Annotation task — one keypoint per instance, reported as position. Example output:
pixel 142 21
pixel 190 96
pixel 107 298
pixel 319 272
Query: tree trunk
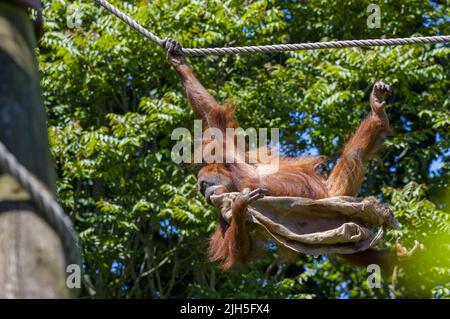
pixel 31 255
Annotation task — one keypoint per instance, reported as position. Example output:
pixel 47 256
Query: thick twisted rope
pixel 132 23
pixel 315 45
pixel 46 204
pixel 276 47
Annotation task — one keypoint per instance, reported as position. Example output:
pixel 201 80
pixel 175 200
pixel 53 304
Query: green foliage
pixel 421 220
pixel 113 102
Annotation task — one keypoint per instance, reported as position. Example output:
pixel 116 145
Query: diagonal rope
pixel 132 23
pixel 276 47
pixel 46 204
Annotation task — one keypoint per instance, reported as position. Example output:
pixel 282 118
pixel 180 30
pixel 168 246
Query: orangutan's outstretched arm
pixel 203 104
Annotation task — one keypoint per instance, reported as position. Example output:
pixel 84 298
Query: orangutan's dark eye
pixel 203 186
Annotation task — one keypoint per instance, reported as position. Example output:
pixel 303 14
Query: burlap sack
pixel 337 225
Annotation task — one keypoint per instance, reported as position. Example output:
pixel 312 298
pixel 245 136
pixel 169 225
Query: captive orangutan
pixel 231 243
